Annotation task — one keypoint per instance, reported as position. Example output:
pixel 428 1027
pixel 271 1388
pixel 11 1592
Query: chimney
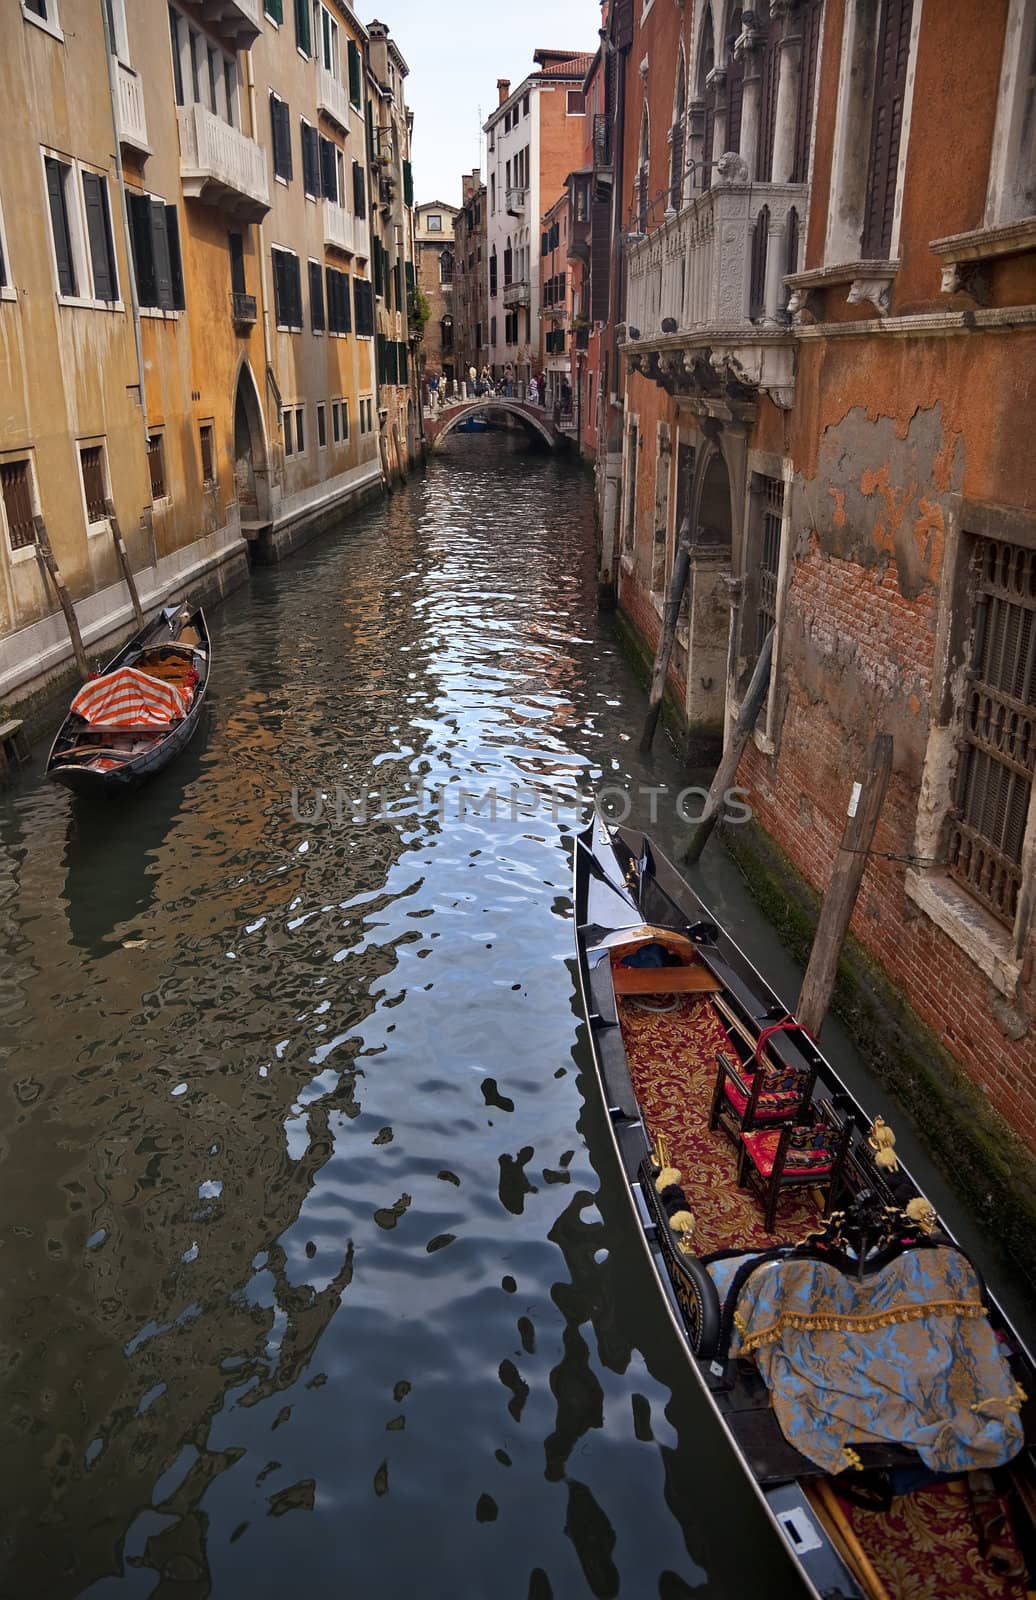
pixel 503 89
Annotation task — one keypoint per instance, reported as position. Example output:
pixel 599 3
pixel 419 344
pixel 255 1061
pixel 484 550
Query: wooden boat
pixel 819 1356
pixel 100 749
pixel 472 425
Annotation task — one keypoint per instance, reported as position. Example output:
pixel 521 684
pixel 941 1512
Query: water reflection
pixel 312 1285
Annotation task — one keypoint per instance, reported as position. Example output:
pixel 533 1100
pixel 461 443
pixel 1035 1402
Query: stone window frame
pixel 847 196
pixel 997 951
pixel 631 440
pixel 94 441
pixel 7 289
pixel 1002 201
pixel 661 566
pixel 24 552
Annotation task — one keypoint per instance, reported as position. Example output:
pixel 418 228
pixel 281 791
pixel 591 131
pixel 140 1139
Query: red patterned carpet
pixel 672 1058
pixel 926 1547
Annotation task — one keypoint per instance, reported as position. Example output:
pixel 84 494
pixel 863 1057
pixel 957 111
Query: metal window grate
pixel 998 744
pixel 92 460
pixel 156 465
pixel 16 486
pixel 769 558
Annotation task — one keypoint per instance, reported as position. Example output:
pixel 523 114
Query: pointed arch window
pixel 643 173
pixel 707 95
pixel 676 140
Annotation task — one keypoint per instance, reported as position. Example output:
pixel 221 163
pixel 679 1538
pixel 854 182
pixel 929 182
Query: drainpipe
pixel 270 378
pixel 109 51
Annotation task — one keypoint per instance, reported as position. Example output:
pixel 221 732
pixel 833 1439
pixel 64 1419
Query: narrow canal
pixel 312 1285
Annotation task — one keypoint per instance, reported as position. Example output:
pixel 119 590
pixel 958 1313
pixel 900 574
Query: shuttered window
pixel 316 297
pixel 408 183
pixel 768 98
pixel 91 462
pixel 16 488
pixel 492 273
pixel 303 34
pixel 274 9
pixel 3 266
pixel 339 308
pixel 310 158
pixel 208 454
pixel 57 195
pixel 363 298
pixel 287 290
pixel 998 745
pixel 355 80
pixel 886 127
pixel 321 425
pixel 359 190
pixel 329 171
pixel 155 241
pixel 99 236
pixel 769 555
pixel 280 128
pixel 812 16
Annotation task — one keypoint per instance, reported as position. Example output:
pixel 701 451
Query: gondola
pixel 140 711
pixel 869 1385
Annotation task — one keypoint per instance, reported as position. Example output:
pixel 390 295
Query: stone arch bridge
pixel 439 424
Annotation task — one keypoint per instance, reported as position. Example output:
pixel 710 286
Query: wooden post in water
pixel 677 585
pixel 726 772
pixel 865 806
pixel 123 555
pixel 49 567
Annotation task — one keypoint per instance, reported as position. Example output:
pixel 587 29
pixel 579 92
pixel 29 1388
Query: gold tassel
pixel 667 1176
pixel 922 1214
pixel 882 1141
pixel 852 1459
pixel 682 1224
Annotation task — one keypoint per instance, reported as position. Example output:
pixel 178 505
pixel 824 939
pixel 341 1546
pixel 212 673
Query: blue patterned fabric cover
pixel 906 1356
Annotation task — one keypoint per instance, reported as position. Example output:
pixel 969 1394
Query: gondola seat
pixel 743 1100
pixel 809 1153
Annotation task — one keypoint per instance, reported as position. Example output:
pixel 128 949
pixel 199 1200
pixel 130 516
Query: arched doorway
pixel 714 523
pixel 251 471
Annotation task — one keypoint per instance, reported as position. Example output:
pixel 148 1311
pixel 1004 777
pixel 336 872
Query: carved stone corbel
pixel 798 308
pixel 878 291
pixel 968 277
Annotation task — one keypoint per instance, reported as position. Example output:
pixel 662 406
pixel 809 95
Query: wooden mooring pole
pixel 49 567
pixel 865 805
pixel 677 585
pixel 726 772
pixel 123 555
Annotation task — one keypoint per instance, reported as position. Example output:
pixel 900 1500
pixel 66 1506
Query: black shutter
pixel 316 297
pixel 59 224
pixel 364 298
pixel 492 274
pixel 280 118
pixel 99 234
pixel 886 127
pixel 355 94
pixel 143 255
pixel 278 289
pixel 359 191
pixel 811 19
pixel 600 258
pixel 302 33
pixel 329 171
pixel 160 252
pixel 295 278
pixel 172 233
pixel 309 140
pixel 370 131
pixel 3 267
pixel 345 306
pixel 275 134
pixel 274 9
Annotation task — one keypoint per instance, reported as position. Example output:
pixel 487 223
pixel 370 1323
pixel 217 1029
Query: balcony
pixel 516 293
pixel 579 239
pixel 243 309
pixel 332 98
pixel 237 22
pixel 602 143
pixel 339 231
pixel 129 109
pixel 515 201
pixel 220 165
pixel 706 300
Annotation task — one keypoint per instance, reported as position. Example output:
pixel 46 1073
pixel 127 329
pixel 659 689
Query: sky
pixel 456 50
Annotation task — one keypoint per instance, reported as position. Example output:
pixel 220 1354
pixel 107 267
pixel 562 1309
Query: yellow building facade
pixel 187 312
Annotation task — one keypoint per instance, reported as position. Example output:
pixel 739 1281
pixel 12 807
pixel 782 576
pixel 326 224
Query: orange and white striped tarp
pixel 127 698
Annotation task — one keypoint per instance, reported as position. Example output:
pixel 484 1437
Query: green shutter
pixel 302 33
pixel 274 9
pixel 408 183
pixel 411 282
pixel 355 78
pixel 370 131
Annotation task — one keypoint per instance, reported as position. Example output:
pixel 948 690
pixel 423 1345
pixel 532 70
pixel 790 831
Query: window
pixel 99 236
pixel 997 744
pixel 433 222
pixel 43 12
pixel 330 158
pixel 886 127
pixel 321 425
pixel 19 501
pixel 310 159
pixel 288 424
pixel 359 191
pixel 177 27
pixel 492 192
pixel 446 335
pixel 336 420
pixel 1012 172
pixel 338 306
pixel 446 267
pixel 300 437
pixel 363 299
pixel 492 330
pixel 203 74
pixel 58 182
pixel 327 40
pixel 525 105
pixel 208 455
pixel 344 410
pixel 155 241
pixel 293 420
pixel 84 252
pixel 115 16
pixel 575 104
pixel 355 77
pixel 492 272
pixel 287 289
pixel 767 516
pixel 303 35
pixel 629 521
pixel 6 291
pixel 274 10
pixel 156 465
pixel 280 120
pixel 95 486
pixel 316 297
pixel 237 264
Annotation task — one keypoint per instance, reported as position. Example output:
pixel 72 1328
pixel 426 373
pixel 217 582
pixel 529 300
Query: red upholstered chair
pixel 750 1096
pixel 809 1153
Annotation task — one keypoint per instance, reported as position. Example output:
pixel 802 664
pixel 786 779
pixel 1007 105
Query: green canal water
pixel 317 1278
